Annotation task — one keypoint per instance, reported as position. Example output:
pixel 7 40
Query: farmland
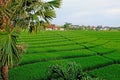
pixel 97 52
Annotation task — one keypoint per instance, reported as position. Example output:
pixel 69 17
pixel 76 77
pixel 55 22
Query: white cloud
pixel 89 12
pixel 107 12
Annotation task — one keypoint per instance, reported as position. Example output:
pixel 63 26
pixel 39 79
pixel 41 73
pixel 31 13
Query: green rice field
pixel 97 52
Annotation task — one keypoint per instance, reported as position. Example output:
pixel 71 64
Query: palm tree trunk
pixel 4 72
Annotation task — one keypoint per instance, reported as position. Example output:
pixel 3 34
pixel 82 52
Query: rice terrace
pixel 96 52
pixel 59 40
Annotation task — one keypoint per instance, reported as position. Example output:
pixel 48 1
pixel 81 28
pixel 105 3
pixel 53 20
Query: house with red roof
pixel 52 27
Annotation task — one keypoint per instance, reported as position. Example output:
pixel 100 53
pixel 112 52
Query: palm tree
pixel 43 11
pixel 19 13
pixel 43 24
pixel 10 53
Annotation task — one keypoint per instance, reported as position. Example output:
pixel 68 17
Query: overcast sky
pixel 89 12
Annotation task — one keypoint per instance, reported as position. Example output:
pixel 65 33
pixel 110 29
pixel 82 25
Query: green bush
pixel 71 71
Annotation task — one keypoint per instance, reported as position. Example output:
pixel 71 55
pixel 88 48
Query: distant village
pixel 68 26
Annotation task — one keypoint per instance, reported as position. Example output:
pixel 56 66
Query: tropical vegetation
pixel 24 14
pixel 97 52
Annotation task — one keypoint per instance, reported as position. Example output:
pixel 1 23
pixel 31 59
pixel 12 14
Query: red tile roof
pixel 52 26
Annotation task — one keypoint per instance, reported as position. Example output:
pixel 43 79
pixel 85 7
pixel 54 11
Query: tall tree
pixel 67 25
pixel 20 13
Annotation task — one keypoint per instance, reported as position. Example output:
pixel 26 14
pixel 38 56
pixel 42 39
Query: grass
pixel 95 51
pixel 115 56
pixel 110 72
pixel 38 70
pixel 27 58
pixel 54 49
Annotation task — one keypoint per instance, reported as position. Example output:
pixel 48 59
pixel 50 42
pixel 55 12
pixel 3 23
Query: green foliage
pixel 112 71
pixel 115 56
pixel 35 64
pixel 9 51
pixel 19 14
pixel 70 72
pixel 28 58
pixel 67 25
pixel 37 70
pixel 55 3
pixel 44 10
pixel 23 12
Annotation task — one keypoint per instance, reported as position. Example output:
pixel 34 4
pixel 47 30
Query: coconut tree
pixel 19 13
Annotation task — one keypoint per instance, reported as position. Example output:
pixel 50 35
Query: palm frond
pixel 9 51
pixel 55 3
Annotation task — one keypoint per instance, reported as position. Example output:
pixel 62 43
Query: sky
pixel 89 12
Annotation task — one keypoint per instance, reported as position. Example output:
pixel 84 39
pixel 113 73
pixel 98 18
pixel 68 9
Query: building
pixel 52 27
pixel 61 29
